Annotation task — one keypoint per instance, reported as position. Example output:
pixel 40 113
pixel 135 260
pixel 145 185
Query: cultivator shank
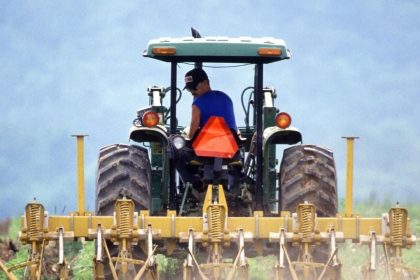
pixel 125 234
pixel 395 237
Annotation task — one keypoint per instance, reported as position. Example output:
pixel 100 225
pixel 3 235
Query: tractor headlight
pixel 178 142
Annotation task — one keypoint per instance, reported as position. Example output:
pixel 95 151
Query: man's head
pixel 193 78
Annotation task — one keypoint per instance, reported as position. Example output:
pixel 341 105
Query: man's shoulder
pixel 212 95
pixel 220 93
pixel 224 96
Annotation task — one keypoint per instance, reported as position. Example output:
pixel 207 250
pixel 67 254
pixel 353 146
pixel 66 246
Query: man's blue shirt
pixel 216 103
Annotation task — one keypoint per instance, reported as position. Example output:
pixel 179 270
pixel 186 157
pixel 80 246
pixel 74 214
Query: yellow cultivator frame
pixel 214 231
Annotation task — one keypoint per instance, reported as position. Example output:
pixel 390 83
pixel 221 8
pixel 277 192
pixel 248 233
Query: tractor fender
pixel 276 135
pixel 149 134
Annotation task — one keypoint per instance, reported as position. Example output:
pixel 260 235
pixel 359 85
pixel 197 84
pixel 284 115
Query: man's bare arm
pixel 195 120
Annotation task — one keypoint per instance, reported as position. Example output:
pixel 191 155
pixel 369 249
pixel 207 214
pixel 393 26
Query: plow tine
pixel 388 269
pixel 281 255
pixel 143 268
pixel 60 246
pixel 40 260
pixel 8 273
pixel 111 265
pixel 327 263
pixel 197 265
pixel 372 266
pixel 232 270
pixel 99 245
pixel 292 270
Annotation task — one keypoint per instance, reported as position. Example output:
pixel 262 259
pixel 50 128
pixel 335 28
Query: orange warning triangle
pixel 215 140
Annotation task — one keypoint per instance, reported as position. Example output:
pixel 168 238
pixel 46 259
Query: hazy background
pixel 69 67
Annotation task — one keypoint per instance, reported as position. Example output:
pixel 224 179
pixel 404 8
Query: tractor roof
pixel 218 49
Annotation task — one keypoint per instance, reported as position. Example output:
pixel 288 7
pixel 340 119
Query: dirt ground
pixel 7 246
pixel 6 252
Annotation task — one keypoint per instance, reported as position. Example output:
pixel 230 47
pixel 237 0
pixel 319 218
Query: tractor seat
pixel 231 162
pixel 235 163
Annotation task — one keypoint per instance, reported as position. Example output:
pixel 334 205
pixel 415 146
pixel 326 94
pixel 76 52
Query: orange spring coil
pixel 397 227
pixel 306 222
pixel 34 221
pixel 216 221
pixel 124 218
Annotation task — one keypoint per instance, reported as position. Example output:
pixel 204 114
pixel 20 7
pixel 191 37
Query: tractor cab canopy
pixel 218 49
pixel 246 50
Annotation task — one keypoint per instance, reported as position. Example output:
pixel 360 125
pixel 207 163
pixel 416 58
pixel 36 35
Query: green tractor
pixel 145 172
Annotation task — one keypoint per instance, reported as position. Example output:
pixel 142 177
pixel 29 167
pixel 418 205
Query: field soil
pixel 7 246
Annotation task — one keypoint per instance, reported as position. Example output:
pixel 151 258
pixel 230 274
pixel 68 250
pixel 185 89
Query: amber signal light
pixel 150 119
pixel 164 50
pixel 283 120
pixel 269 51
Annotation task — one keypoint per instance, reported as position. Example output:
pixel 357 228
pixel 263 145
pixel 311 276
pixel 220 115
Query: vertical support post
pixel 190 247
pixel 173 124
pixel 349 180
pixel 188 264
pixel 80 174
pixel 281 253
pixel 372 263
pixel 258 96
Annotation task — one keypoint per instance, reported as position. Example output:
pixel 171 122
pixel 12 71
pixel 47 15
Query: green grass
pixel 261 268
pixel 14 228
pixel 83 263
pixel 20 257
pixel 353 256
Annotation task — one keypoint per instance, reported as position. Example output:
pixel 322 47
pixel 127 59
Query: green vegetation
pixel 20 257
pixel 14 227
pixel 169 268
pixel 353 256
pixel 261 268
pixel 83 263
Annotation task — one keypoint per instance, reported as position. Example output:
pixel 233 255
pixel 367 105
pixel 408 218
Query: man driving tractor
pixel 207 103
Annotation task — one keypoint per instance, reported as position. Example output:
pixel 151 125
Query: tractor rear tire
pixel 123 171
pixel 307 173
